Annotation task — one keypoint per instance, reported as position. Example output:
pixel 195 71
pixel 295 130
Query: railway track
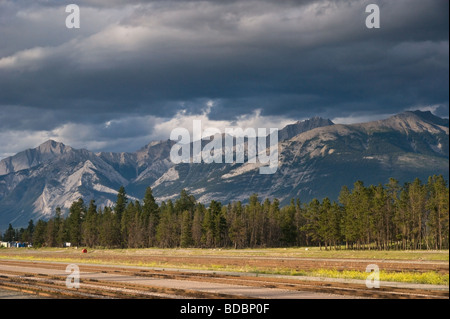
pixel 48 279
pixel 55 287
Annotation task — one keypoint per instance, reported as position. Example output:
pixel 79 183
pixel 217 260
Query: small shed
pixel 5 244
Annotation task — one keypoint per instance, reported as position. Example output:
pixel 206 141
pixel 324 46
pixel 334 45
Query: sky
pixel 135 70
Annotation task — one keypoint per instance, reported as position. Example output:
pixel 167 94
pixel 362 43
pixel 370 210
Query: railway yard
pixel 206 274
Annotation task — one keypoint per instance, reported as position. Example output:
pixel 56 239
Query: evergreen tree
pixel 61 229
pixel 167 228
pixel 184 202
pixel 197 229
pixel 109 233
pixel 186 239
pixel 51 233
pixel 150 218
pixel 220 223
pixel 9 234
pixel 209 228
pixel 255 220
pixel 137 228
pixel 286 225
pixel 27 235
pixel 74 221
pixel 335 219
pixel 39 233
pixel 125 224
pixel 414 216
pixel 121 203
pixel 438 206
pixel 300 221
pixel 90 225
pixel 403 217
pixel 392 202
pixel 274 224
pixel 311 227
pixel 416 204
pixel 237 231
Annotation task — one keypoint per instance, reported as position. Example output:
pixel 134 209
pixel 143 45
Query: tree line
pixel 391 216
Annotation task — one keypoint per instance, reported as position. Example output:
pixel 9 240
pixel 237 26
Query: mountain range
pixel 316 158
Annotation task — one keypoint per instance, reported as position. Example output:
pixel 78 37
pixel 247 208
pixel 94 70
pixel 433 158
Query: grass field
pixel 284 261
pixel 314 252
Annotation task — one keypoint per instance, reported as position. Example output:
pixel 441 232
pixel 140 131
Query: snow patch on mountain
pixel 242 169
pixel 155 169
pixel 54 197
pixel 170 176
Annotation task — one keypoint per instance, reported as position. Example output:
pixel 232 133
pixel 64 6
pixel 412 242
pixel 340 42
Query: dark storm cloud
pixel 155 58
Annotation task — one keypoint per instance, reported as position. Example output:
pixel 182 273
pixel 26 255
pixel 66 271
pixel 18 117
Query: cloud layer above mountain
pixel 135 66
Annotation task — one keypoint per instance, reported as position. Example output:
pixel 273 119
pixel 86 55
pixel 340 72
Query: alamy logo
pixel 373 19
pixel 73 279
pixel 73 19
pixel 248 142
pixel 373 280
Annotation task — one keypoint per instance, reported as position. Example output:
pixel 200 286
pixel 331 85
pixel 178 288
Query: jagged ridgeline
pixel 316 158
pixel 412 216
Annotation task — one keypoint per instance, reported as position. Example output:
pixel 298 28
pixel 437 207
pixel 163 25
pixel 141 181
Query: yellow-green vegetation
pixel 430 277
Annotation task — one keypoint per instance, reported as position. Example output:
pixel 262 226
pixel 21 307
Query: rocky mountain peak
pixel 53 147
pixel 33 157
pixel 317 161
pixel 431 118
pixel 299 127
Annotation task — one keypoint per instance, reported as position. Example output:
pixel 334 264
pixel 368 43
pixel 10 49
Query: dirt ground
pixel 206 273
pixel 244 260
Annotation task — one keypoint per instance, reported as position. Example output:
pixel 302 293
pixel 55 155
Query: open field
pixel 48 279
pixel 106 281
pixel 428 267
pixel 419 255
